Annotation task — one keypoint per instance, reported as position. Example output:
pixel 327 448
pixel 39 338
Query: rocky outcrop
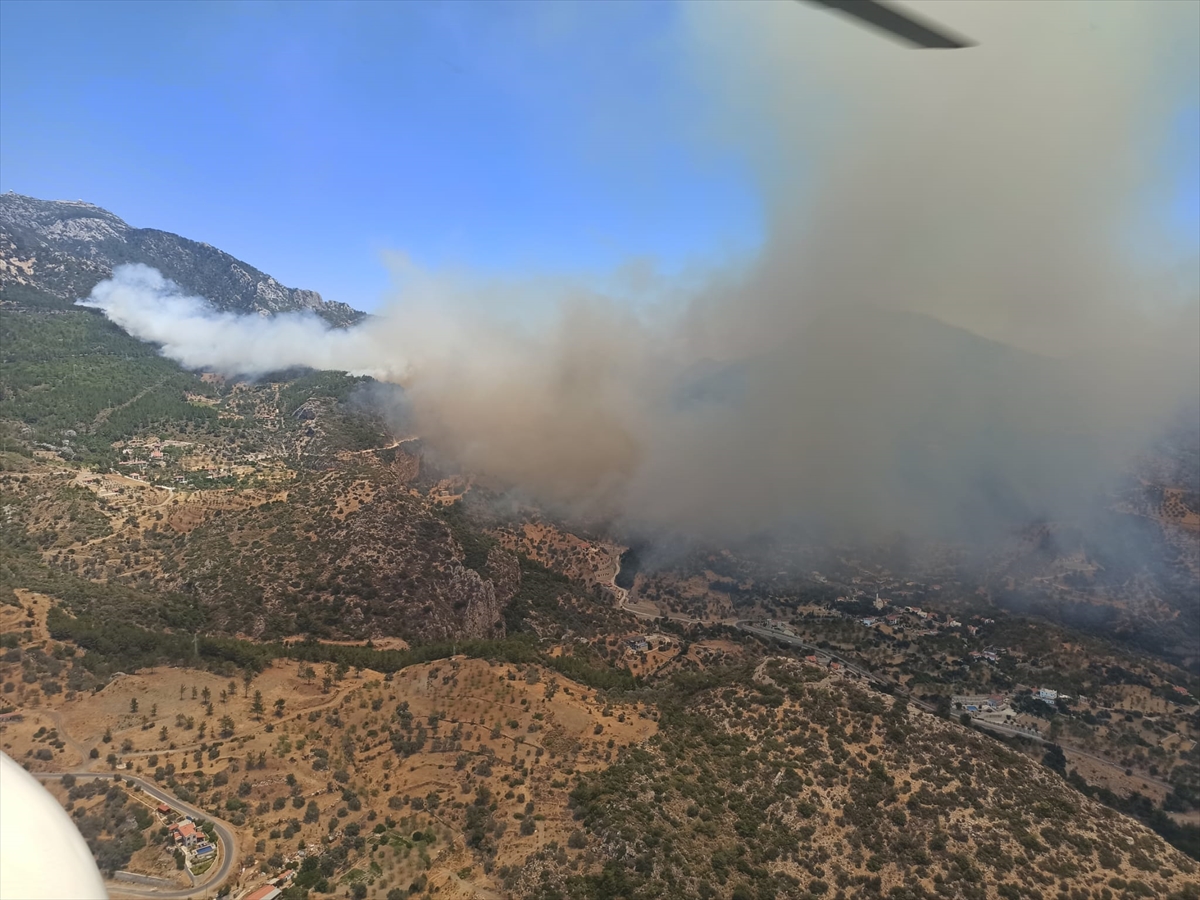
pixel 484 614
pixel 504 570
pixel 407 572
pixel 65 247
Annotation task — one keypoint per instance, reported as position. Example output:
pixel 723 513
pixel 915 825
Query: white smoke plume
pixel 949 328
pixel 155 309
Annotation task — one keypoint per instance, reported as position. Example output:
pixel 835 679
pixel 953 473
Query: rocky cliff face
pixel 425 588
pixel 65 248
pixel 504 569
pixel 483 616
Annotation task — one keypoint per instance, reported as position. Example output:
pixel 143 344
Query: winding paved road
pixel 623 603
pixel 225 839
pixel 226 842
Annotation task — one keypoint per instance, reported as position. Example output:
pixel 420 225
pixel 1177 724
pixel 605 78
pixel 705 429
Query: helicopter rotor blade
pixel 897 22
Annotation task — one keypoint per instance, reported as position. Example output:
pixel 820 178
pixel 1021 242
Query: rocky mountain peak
pixel 66 247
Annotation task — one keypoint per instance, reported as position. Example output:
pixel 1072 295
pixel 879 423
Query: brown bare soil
pixel 516 733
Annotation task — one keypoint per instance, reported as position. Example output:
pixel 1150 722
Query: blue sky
pixel 1185 208
pixel 307 138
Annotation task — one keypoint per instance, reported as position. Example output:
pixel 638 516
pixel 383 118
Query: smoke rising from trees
pixel 955 324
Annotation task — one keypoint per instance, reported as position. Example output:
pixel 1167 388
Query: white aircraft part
pixel 42 854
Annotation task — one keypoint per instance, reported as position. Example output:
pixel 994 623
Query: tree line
pixel 113 644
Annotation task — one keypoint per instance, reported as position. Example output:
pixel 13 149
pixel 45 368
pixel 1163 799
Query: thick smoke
pixel 953 326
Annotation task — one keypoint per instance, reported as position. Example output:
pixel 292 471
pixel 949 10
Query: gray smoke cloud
pixel 953 325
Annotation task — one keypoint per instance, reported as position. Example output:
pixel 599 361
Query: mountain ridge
pixel 65 248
